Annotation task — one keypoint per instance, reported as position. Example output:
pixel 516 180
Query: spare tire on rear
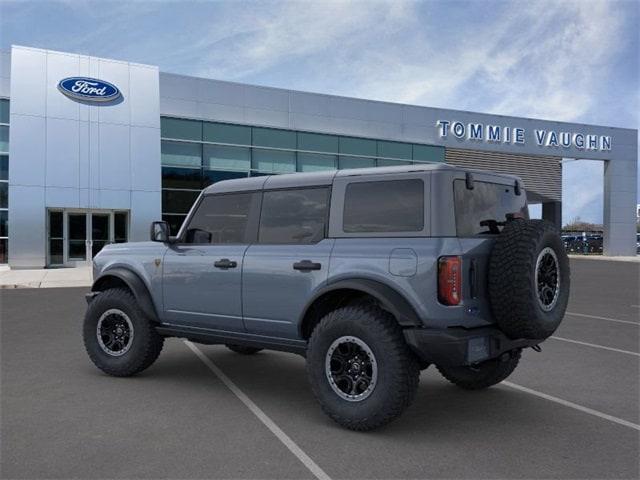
pixel 529 279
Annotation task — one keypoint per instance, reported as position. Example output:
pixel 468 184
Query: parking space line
pixel 596 346
pixel 575 406
pixel 257 411
pixel 603 318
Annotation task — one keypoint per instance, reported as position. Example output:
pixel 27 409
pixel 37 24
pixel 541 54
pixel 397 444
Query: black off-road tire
pixel 397 368
pixel 242 350
pixel 483 375
pixel 145 345
pixel 513 291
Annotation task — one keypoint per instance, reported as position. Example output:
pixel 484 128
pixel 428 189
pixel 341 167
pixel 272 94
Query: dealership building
pixel 92 150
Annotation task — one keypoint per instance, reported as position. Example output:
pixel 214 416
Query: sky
pixel 559 60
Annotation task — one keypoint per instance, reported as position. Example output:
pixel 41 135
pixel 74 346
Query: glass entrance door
pixel 75 237
pixel 100 231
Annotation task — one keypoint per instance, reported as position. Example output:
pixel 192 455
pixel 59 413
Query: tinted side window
pixel 487 201
pixel 294 216
pixel 384 206
pixel 222 219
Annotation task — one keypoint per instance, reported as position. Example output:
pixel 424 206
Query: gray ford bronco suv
pixel 371 274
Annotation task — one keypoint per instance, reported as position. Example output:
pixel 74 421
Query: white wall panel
pixel 27 227
pixel 147 209
pixel 28 150
pixel 62 197
pixel 145 155
pixel 267 98
pixel 118 74
pixel 29 81
pixel 144 91
pixel 115 199
pixel 63 153
pixel 211 91
pixel 115 162
pixel 59 66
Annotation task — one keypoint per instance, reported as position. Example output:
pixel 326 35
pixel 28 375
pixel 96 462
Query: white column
pixel 620 199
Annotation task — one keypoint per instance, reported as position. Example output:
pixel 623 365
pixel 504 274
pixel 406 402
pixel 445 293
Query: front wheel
pixel 361 371
pixel 483 375
pixel 120 340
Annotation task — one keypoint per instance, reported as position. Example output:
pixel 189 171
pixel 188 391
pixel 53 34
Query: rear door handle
pixel 225 263
pixel 306 265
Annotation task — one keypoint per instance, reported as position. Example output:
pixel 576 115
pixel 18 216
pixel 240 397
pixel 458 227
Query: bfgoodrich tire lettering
pixel 529 279
pixel 144 344
pixel 397 371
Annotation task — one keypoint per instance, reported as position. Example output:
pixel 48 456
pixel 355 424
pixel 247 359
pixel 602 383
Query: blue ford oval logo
pixel 89 89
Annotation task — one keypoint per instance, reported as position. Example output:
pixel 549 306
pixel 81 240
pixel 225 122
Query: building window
pixel 395 150
pixel 196 154
pixel 181 154
pixel 178 201
pixel 274 138
pixel 315 142
pixel 4 181
pixel 313 162
pixel 273 161
pixel 358 146
pixel 210 177
pixel 180 129
pixel 355 162
pixel 225 133
pixel 185 178
pixel 223 157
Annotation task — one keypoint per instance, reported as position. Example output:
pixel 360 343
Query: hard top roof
pixel 310 179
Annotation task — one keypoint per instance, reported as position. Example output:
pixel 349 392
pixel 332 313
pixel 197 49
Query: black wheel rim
pixel 547 279
pixel 115 332
pixel 351 369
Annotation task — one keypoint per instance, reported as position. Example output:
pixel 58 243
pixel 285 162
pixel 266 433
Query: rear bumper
pixel 459 346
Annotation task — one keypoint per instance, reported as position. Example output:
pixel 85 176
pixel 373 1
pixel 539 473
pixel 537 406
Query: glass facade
pixel 196 154
pixel 4 181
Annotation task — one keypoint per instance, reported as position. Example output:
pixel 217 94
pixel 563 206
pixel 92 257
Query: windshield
pixel 488 203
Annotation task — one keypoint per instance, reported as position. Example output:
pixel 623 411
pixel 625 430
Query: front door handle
pixel 225 263
pixel 306 265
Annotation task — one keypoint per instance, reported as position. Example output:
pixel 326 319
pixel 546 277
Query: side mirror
pixel 160 232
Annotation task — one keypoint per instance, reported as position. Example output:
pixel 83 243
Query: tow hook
pixel 536 348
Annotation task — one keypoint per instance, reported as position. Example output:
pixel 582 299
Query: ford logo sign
pixel 88 89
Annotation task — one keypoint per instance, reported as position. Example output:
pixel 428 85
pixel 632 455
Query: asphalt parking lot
pixel 571 411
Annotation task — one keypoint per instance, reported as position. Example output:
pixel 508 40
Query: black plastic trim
pixel 389 299
pixel 135 284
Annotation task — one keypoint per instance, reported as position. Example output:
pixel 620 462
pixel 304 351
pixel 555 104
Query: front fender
pixel 135 284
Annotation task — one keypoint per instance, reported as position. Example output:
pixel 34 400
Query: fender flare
pixel 135 284
pixel 388 297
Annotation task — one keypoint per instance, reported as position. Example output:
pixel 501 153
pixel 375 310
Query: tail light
pixel 449 280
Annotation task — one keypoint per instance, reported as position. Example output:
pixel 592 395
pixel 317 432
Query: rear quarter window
pixel 487 201
pixel 384 206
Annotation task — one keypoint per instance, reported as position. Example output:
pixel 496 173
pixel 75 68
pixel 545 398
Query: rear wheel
pixel 361 371
pixel 483 375
pixel 120 340
pixel 241 349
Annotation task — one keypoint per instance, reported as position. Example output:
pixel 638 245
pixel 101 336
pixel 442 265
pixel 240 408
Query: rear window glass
pixel 384 206
pixel 487 201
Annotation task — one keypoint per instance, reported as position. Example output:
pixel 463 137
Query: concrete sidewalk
pixel 46 278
